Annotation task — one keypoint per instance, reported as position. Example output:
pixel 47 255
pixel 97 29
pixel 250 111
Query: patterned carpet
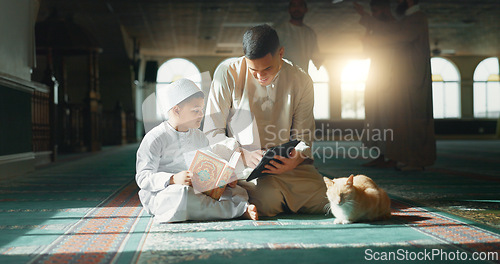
pixel 80 210
pixel 296 239
pixel 87 211
pixel 464 181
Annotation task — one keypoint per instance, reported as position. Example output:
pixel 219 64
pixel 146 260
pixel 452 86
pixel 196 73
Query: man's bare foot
pixel 251 213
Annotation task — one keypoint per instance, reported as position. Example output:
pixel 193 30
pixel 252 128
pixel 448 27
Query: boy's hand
pixel 183 178
pixel 233 184
pixel 251 158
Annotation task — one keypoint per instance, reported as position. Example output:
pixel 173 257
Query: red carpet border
pixel 452 231
pixel 98 236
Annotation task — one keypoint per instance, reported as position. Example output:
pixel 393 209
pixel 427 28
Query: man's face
pixel 297 9
pixel 265 69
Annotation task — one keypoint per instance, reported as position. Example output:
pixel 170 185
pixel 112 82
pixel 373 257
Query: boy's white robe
pixel 161 155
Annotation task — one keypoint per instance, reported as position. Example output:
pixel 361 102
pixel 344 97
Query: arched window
pixel 487 89
pixel 178 68
pixel 321 91
pixel 228 59
pixel 353 81
pixel 445 88
pixel 170 71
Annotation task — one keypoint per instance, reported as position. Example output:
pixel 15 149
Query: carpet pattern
pixel 411 228
pixel 99 235
pixel 87 211
pixel 457 232
pixel 70 212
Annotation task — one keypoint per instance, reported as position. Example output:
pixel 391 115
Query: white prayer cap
pixel 175 93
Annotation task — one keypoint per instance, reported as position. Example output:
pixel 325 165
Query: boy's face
pixel 265 69
pixel 191 113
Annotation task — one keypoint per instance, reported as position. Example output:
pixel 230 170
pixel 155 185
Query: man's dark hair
pixel 260 40
pixel 380 3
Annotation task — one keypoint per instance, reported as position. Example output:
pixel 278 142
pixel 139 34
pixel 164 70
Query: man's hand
pixel 251 158
pixel 287 164
pixel 183 178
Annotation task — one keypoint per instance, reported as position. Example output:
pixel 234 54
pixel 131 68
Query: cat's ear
pixel 328 182
pixel 350 180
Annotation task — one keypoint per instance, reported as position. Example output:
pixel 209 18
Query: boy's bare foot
pixel 251 212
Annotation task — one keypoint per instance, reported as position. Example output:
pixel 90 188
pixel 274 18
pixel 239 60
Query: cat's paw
pixel 341 221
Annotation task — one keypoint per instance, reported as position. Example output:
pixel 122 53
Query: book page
pixel 207 170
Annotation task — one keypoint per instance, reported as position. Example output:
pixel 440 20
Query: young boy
pixel 166 188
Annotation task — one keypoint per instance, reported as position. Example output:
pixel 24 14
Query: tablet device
pixel 282 150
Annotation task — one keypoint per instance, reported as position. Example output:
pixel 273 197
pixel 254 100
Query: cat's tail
pixel 386 216
pixel 387 204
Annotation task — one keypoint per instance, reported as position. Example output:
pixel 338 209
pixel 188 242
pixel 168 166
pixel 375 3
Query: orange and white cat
pixel 357 198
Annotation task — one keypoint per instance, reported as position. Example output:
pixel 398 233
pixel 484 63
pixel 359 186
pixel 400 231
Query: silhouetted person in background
pixel 298 39
pixel 380 90
pixel 414 125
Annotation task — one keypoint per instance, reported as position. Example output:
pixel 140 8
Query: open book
pixel 212 173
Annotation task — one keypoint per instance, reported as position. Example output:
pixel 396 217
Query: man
pixel 380 91
pixel 278 97
pixel 414 129
pixel 299 40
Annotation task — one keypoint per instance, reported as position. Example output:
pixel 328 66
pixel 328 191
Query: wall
pixel 15 117
pixel 17 20
pixel 204 63
pixel 115 82
pixel 207 63
pixel 16 47
pixel 16 149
